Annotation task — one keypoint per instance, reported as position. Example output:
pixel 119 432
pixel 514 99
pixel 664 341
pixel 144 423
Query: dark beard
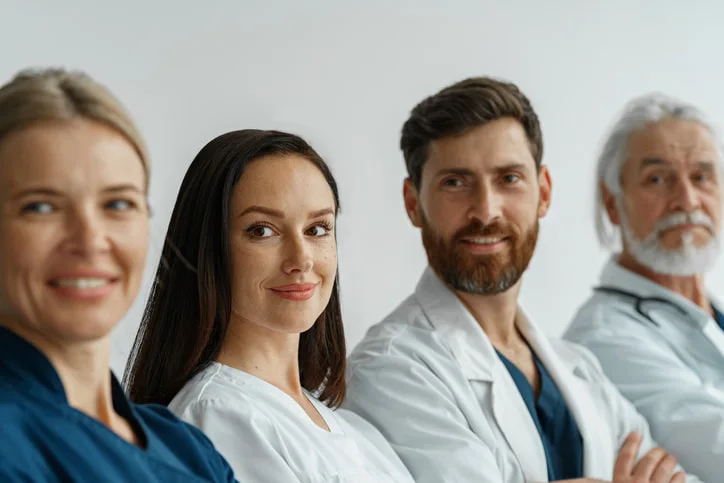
pixel 479 274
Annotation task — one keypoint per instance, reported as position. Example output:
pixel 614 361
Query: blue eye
pixel 120 205
pixel 40 207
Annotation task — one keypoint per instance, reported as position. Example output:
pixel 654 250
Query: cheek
pixel 133 240
pixel 446 215
pixel 23 257
pixel 326 261
pixel 250 267
pixel 643 211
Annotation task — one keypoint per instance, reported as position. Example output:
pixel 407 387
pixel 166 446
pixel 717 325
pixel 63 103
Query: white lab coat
pixel 429 378
pixel 267 437
pixel 674 374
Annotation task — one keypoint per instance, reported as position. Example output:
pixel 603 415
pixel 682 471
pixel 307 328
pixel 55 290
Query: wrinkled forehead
pixel 674 143
pixel 69 156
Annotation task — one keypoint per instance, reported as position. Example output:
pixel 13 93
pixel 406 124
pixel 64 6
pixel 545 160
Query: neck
pixel 496 315
pixel 267 354
pixel 691 287
pixel 83 368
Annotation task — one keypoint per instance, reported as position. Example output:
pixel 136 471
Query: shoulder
pixel 223 405
pixel 167 426
pixel 187 442
pixel 596 314
pixel 405 332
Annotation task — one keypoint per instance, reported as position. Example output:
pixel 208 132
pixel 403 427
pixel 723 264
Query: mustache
pixel 477 228
pixel 697 217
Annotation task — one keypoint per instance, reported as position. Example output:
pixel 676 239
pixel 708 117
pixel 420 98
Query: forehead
pixel 673 141
pixel 74 155
pixel 285 182
pixel 483 147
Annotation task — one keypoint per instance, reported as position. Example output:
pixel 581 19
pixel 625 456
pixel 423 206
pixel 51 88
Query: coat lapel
pixel 598 453
pixel 479 362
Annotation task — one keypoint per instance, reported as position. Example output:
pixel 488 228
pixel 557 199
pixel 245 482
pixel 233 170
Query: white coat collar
pixel 476 355
pixel 616 276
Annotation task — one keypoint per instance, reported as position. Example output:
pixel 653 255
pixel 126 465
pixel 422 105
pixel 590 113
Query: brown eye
pixel 260 231
pixel 318 230
pixel 452 182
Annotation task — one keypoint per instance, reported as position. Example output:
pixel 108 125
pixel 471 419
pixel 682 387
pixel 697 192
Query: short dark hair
pixel 188 311
pixel 466 104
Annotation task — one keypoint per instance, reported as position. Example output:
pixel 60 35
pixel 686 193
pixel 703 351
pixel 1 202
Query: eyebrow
pixel 41 191
pixel 497 169
pixel 646 162
pixel 510 167
pixel 280 214
pixel 123 187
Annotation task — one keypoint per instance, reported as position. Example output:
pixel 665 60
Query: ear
pixel 609 202
pixel 412 202
pixel 545 186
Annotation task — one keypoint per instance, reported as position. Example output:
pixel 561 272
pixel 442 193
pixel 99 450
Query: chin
pixel 86 327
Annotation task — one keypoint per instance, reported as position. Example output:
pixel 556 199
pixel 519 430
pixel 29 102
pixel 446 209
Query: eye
pixel 511 178
pixel 700 177
pixel 655 179
pixel 452 182
pixel 320 229
pixel 40 207
pixel 259 231
pixel 120 205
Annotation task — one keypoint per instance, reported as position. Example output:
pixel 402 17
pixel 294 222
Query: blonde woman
pixel 73 241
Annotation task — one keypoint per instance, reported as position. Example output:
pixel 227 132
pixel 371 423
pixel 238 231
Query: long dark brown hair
pixel 189 307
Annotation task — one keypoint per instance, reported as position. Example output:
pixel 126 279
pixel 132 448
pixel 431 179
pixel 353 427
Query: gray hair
pixel 636 115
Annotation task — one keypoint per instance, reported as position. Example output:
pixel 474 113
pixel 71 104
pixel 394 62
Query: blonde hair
pixel 53 94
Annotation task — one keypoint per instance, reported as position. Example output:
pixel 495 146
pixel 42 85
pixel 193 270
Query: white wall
pixel 345 75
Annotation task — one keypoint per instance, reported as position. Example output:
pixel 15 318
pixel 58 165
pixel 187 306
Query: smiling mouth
pixel 483 240
pixel 296 292
pixel 80 283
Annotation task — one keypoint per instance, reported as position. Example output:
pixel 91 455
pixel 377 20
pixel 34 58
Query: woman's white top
pixel 266 436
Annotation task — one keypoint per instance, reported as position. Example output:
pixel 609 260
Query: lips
pixel 83 285
pixel 295 291
pixel 295 287
pixel 483 240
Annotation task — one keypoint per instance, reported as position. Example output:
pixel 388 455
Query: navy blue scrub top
pixel 719 317
pixel 558 430
pixel 42 438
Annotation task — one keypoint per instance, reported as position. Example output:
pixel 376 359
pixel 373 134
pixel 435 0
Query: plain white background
pixel 345 75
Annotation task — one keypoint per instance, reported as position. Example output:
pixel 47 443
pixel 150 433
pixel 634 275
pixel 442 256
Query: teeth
pixel 81 282
pixel 484 240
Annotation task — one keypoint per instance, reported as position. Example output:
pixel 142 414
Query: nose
pixel 685 196
pixel 298 257
pixel 485 206
pixel 87 233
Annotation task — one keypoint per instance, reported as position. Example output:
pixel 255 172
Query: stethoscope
pixel 639 301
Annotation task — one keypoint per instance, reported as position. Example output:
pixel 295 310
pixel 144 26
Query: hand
pixel 656 466
pixel 582 480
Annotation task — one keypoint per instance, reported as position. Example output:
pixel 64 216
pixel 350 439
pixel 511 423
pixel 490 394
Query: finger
pixel 665 469
pixel 646 465
pixel 627 456
pixel 679 477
